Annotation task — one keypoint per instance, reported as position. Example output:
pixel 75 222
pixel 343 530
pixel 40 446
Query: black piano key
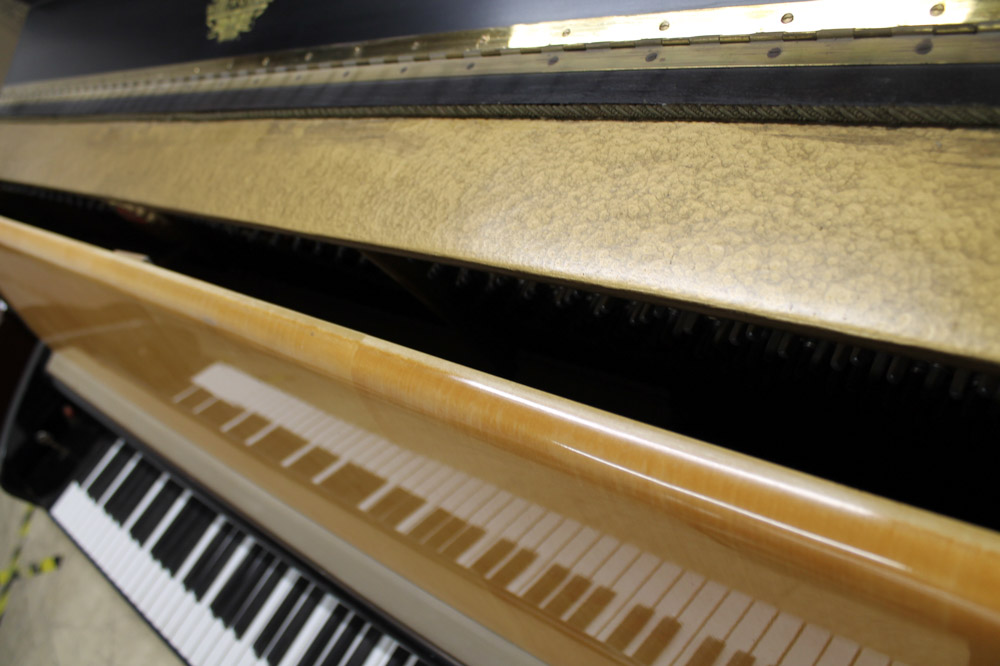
pixel 293 628
pixel 239 580
pixel 109 473
pixel 210 572
pixel 210 552
pixel 236 599
pixel 174 531
pixel 365 647
pixel 270 631
pixel 89 461
pixel 148 476
pixel 250 609
pixel 176 537
pixel 131 491
pixel 324 636
pixel 200 521
pixel 340 648
pixel 243 599
pixel 155 512
pixel 113 506
pixel 399 657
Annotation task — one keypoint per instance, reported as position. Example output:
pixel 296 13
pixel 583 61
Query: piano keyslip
pixel 217 594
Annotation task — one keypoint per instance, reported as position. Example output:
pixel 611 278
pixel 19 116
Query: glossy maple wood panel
pixel 922 588
pixel 887 234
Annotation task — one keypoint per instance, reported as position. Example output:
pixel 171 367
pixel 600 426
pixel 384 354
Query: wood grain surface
pixel 886 234
pixel 921 588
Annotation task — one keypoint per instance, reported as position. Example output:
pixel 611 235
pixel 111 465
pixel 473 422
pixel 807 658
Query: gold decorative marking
pixel 228 19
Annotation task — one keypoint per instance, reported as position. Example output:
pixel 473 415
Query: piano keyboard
pixel 646 609
pixel 218 594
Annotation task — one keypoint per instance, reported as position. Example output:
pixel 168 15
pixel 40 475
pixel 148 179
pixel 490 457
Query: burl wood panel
pixel 919 587
pixel 886 234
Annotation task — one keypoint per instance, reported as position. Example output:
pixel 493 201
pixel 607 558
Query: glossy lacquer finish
pixel 670 550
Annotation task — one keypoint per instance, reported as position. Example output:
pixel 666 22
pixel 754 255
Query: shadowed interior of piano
pixel 533 334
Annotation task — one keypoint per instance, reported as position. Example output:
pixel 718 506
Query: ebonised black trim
pixel 76 37
pixel 949 95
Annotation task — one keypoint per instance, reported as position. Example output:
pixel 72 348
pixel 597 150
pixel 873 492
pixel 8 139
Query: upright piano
pixel 513 333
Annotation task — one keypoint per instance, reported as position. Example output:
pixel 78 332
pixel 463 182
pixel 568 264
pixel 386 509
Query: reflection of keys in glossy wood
pixel 546 550
pixel 631 601
pixel 631 579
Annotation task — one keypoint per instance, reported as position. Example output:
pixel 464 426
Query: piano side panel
pixel 916 586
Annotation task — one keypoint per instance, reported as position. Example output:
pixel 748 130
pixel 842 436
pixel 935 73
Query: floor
pixel 71 614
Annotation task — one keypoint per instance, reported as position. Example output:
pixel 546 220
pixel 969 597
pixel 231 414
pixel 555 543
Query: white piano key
pixel 691 619
pixel 354 643
pixel 277 595
pixel 626 585
pixel 122 550
pixel 146 500
pixel 173 597
pixel 161 527
pixel 233 653
pixel 382 651
pixel 333 639
pixel 870 657
pixel 808 646
pixel 210 628
pixel 117 482
pixel 839 652
pixel 131 547
pixel 144 582
pixel 606 573
pixel 748 631
pixel 671 605
pixel 309 631
pixel 283 627
pixel 720 624
pixel 779 636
